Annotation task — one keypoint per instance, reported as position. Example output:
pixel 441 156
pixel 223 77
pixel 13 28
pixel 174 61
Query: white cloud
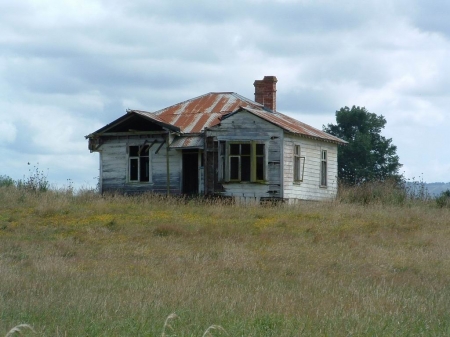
pixel 69 67
pixel 8 132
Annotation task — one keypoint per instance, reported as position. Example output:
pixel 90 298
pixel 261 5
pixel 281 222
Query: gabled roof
pixel 290 124
pixel 130 114
pixel 196 114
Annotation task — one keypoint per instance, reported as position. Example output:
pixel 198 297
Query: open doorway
pixel 190 172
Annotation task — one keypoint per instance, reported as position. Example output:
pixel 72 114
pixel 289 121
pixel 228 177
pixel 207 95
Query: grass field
pixel 87 265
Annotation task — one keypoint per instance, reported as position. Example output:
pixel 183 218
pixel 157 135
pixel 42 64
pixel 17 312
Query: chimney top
pixel 266 92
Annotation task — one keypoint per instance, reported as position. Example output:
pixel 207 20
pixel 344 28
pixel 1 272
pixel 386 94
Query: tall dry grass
pixel 85 265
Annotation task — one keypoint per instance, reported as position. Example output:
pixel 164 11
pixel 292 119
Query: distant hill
pixel 436 189
pixel 433 189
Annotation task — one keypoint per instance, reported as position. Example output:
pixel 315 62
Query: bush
pixel 374 192
pixel 6 181
pixel 444 199
pixel 36 182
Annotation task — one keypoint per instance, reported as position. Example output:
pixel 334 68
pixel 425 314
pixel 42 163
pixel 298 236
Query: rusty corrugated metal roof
pixel 187 142
pixel 156 118
pixel 292 125
pixel 196 114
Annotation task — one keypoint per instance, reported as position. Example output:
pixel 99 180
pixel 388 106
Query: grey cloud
pixel 24 143
pixel 281 16
pixel 307 100
pixel 91 64
pixel 432 15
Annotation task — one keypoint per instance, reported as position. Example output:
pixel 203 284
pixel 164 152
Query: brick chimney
pixel 266 92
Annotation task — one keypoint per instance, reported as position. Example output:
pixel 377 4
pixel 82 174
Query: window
pixel 246 161
pixel 323 168
pixel 299 163
pixel 139 164
pixel 240 162
pixel 259 154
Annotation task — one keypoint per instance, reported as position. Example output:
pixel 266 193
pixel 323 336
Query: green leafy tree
pixel 368 156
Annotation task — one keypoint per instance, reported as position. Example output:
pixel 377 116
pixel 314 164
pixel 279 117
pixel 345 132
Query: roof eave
pixel 128 115
pixel 338 142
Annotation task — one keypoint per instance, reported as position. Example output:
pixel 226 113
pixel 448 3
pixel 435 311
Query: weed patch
pixel 112 265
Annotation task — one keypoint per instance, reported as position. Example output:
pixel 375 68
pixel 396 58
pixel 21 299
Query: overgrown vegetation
pixel 36 181
pixel 6 181
pixel 387 192
pixel 372 262
pixel 444 199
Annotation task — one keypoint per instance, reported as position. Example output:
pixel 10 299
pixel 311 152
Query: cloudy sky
pixel 68 67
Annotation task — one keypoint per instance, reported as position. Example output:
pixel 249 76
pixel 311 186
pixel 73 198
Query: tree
pixel 368 155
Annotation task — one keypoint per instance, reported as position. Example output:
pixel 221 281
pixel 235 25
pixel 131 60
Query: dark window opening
pixel 139 163
pixel 259 153
pixel 245 168
pixel 259 168
pixel 234 168
pixel 134 165
pixel 246 162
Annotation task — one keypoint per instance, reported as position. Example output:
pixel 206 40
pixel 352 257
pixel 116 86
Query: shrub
pixel 6 181
pixel 444 199
pixel 382 192
pixel 417 189
pixel 36 181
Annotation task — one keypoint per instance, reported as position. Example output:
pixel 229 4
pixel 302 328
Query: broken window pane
pixel 259 149
pixel 144 150
pixel 139 163
pixel 234 168
pixel 234 149
pixel 246 161
pixel 134 164
pixel 134 151
pixel 144 169
pixel 245 168
pixel 260 168
pixel 245 149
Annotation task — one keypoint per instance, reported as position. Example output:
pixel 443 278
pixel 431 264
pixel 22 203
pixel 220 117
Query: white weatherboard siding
pixel 114 167
pixel 309 188
pixel 244 126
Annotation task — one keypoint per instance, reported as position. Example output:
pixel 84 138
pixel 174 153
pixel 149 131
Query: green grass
pixel 87 265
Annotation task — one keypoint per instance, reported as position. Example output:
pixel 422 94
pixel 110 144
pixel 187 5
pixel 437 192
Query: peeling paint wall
pixel 246 127
pixel 115 166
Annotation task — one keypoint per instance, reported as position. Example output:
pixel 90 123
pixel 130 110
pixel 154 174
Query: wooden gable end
pixel 243 157
pixel 135 123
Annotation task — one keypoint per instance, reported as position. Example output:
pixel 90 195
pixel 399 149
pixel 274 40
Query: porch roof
pixel 184 142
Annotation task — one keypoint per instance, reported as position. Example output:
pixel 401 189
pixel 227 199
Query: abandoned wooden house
pixel 219 143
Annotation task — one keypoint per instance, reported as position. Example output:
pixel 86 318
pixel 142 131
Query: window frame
pixel 253 161
pixel 141 160
pixel 323 168
pixel 298 165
